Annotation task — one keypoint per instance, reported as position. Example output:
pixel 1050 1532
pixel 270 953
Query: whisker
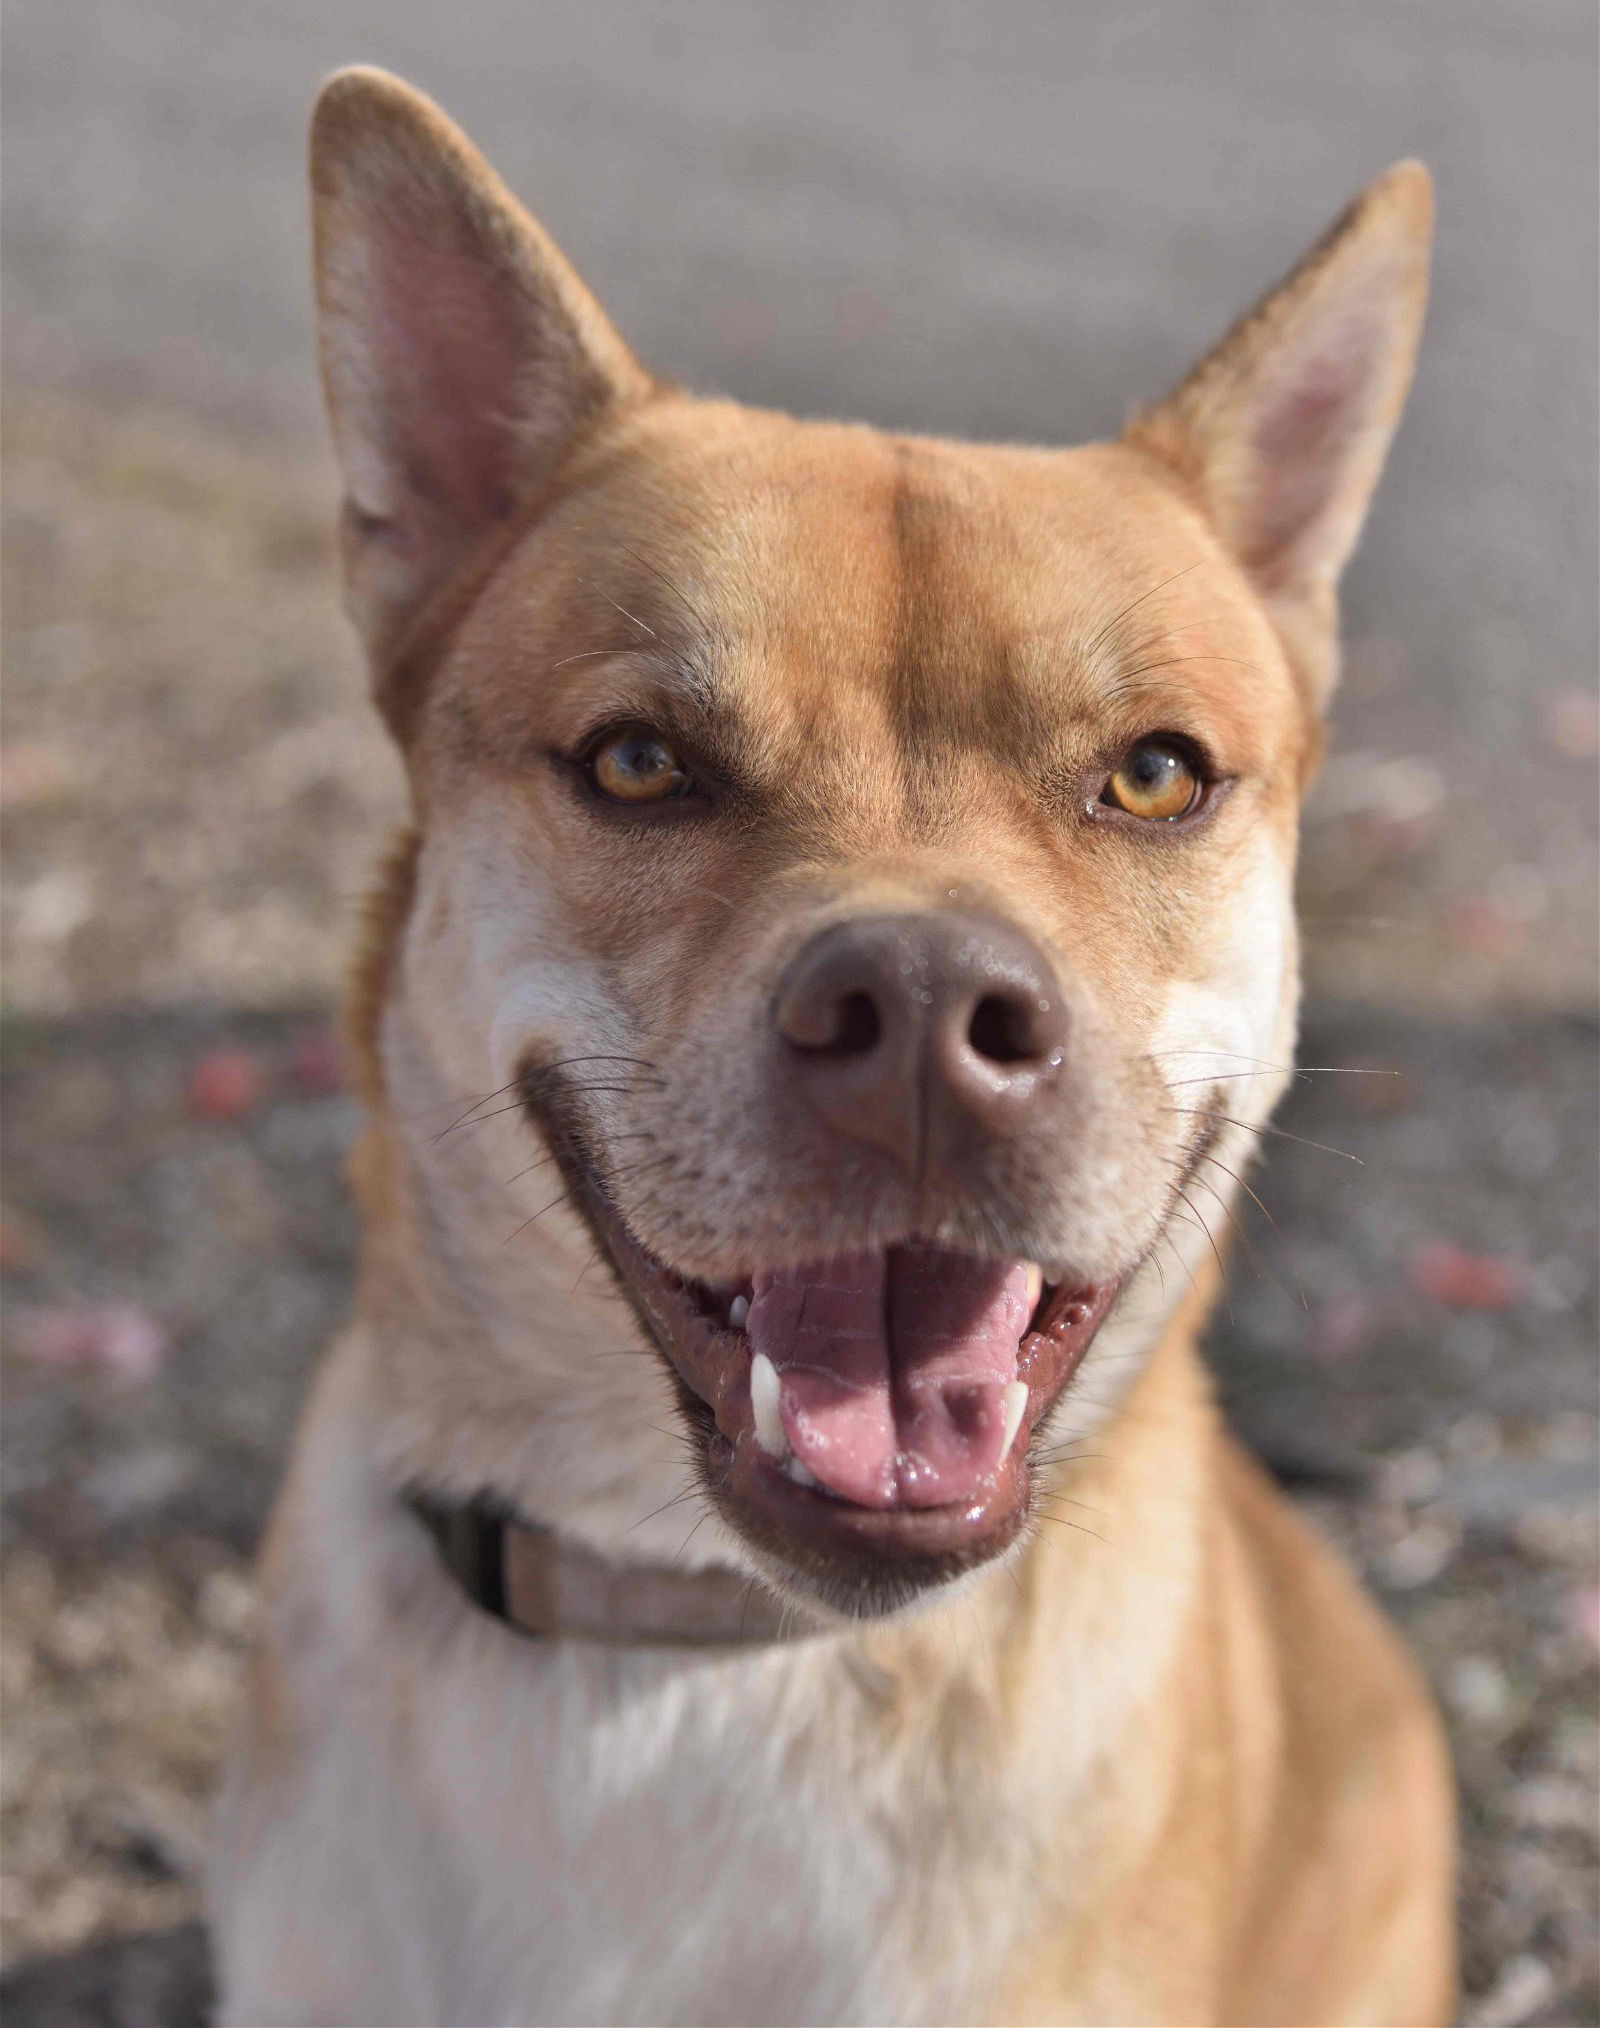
pixel 1178 1257
pixel 1227 1290
pixel 521 1105
pixel 645 563
pixel 529 1081
pixel 560 1198
pixel 1278 1133
pixel 634 617
pixel 677 1500
pixel 588 655
pixel 1183 627
pixel 592 1262
pixel 1068 1454
pixel 485 1100
pixel 1116 619
pixel 712 894
pixel 1299 1071
pixel 1062 1521
pixel 1289 1069
pixel 1227 1210
pixel 1288 1254
pixel 643 1134
pixel 1127 676
pixel 693 1532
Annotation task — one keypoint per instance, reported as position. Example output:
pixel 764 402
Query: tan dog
pixel 841 957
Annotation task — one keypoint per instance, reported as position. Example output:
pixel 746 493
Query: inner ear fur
pixel 461 355
pixel 1281 431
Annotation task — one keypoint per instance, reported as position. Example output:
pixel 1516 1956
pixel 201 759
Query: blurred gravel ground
pixel 192 793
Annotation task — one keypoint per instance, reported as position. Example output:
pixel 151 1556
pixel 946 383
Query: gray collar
pixel 549 1588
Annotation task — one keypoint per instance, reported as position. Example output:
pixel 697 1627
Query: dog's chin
pixel 859 1557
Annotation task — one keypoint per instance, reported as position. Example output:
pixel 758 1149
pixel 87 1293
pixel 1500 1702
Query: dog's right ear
pixel 461 355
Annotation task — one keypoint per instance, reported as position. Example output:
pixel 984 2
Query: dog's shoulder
pixel 1348 1905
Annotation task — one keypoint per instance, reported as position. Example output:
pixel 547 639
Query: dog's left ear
pixel 1281 432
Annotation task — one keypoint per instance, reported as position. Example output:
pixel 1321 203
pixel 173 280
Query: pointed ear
pixel 460 353
pixel 1282 431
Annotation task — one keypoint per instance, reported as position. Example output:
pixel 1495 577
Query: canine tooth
pixel 765 1395
pixel 793 1469
pixel 1016 1400
pixel 1033 1288
pixel 738 1310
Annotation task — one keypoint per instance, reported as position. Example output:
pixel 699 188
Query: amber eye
pixel 637 767
pixel 1155 779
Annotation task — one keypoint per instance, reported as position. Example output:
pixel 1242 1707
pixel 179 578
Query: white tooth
pixel 1033 1288
pixel 765 1395
pixel 738 1310
pixel 793 1469
pixel 1016 1400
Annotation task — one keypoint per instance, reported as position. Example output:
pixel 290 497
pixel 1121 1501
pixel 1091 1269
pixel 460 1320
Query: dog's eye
pixel 637 767
pixel 1155 779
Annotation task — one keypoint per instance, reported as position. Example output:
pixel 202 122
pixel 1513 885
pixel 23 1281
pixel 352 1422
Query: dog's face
pixel 870 858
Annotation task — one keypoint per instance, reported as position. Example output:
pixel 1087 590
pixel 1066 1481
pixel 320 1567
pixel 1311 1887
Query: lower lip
pixel 785 1517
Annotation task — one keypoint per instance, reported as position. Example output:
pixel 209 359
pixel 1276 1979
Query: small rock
pixel 1420 1555
pixel 227 1604
pixel 1557 1535
pixel 54 906
pixel 1547 1803
pixel 133 1485
pixel 1478 1690
pixel 1524 1986
pixel 1413 1477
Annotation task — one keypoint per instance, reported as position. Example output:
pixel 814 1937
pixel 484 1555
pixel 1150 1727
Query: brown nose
pixel 897 1027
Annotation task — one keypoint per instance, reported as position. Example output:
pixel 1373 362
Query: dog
pixel 765 1549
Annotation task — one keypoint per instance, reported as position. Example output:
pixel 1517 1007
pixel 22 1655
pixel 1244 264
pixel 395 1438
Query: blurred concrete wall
pixel 1004 219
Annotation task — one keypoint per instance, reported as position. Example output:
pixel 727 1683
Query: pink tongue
pixel 893 1369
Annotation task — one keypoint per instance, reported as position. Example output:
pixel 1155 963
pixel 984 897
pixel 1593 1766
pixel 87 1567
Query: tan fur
pixel 1161 1763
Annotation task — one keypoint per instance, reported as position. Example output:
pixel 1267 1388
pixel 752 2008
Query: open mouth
pixel 865 1421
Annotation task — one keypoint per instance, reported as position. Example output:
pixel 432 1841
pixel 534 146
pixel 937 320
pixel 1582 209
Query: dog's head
pixel 868 858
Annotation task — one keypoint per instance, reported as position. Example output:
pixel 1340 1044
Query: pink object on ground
pixel 1465 1281
pixel 225 1084
pixel 113 1338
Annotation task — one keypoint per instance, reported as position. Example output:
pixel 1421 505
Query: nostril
pixel 1002 1030
pixel 854 1029
pixel 859 1026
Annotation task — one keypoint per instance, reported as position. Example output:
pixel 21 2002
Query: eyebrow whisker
pixel 588 655
pixel 656 572
pixel 614 603
pixel 1116 620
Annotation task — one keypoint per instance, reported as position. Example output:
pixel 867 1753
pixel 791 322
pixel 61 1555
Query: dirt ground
pixel 192 794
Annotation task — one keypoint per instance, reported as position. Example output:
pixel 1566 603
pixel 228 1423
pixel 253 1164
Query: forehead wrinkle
pixel 950 675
